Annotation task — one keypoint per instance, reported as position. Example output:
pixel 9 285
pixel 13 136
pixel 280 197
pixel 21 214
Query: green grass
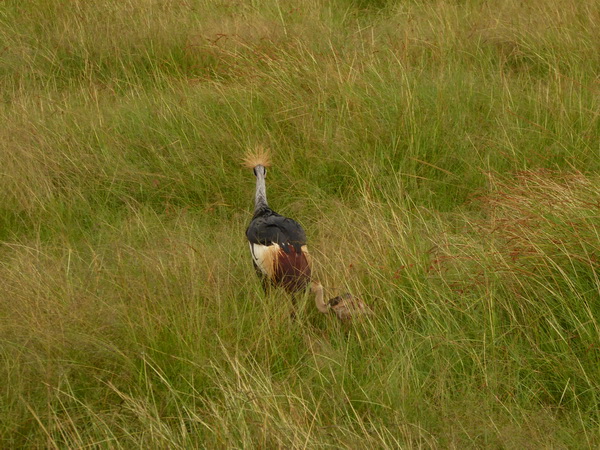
pixel 443 157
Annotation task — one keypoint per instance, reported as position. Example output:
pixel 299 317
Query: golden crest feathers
pixel 257 156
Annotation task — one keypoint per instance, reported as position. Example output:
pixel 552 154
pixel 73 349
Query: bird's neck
pixel 260 197
pixel 321 305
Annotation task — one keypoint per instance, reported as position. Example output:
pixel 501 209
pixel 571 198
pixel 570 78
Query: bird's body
pixel 345 306
pixel 279 251
pixel 277 243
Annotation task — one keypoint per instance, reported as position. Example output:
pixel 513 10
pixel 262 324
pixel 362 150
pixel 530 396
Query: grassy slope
pixel 443 158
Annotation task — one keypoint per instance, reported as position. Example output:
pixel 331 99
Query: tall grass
pixel 442 156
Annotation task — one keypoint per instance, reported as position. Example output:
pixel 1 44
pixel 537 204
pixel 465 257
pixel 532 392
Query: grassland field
pixel 443 157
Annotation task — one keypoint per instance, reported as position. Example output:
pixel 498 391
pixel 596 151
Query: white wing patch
pixel 304 249
pixel 265 257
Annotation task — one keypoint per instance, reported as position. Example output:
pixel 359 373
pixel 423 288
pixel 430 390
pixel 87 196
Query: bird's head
pixel 315 287
pixel 260 170
pixel 258 159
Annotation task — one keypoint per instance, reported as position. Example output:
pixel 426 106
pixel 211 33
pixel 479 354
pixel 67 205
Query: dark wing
pixel 276 229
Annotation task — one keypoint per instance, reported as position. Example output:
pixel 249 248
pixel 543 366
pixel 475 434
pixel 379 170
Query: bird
pixel 277 243
pixel 345 306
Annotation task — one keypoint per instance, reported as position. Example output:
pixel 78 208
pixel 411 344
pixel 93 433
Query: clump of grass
pixel 530 264
pixel 540 226
pixel 548 223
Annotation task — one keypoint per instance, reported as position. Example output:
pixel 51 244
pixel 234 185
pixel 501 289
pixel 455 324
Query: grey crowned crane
pixel 345 306
pixel 277 243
